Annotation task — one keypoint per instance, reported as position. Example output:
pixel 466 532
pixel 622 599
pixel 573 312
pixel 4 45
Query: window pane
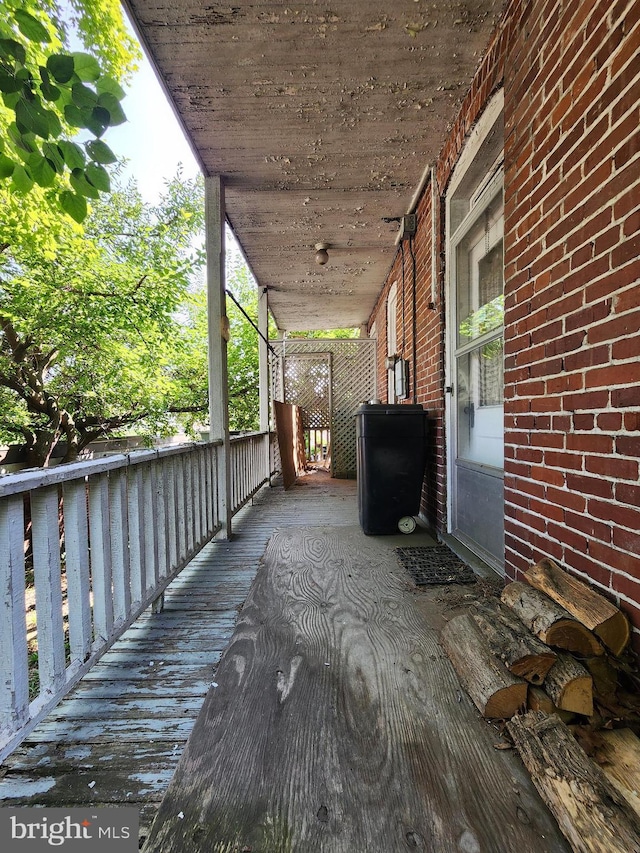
pixel 479 399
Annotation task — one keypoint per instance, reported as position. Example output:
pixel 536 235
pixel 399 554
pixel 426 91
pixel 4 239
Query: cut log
pixel 589 607
pixel 591 813
pixel 622 768
pixel 539 700
pixel 521 652
pixel 495 692
pixel 604 675
pixel 554 625
pixel 570 686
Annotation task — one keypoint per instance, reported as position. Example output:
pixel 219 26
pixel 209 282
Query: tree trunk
pixel 495 692
pixel 589 607
pixel 522 653
pixel 550 622
pixel 591 813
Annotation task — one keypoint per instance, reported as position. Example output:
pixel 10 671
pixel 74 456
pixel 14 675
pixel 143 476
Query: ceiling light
pixel 322 256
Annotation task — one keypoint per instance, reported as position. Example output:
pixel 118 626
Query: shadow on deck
pixel 375 749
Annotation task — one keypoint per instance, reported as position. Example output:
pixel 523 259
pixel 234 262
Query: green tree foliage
pixel 96 321
pixel 242 351
pixel 51 94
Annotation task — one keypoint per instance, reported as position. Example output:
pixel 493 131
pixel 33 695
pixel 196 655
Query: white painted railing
pixel 250 467
pixel 107 537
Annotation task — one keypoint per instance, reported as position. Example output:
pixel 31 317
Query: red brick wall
pixel 571 76
pixel 572 222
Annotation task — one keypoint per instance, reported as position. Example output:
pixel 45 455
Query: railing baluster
pixel 188 485
pixel 137 533
pixel 181 509
pixel 172 523
pixel 101 573
pixel 149 515
pixel 119 528
pixel 161 519
pixel 76 546
pixel 195 496
pixel 48 583
pixel 14 678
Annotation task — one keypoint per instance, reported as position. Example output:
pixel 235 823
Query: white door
pixel 477 413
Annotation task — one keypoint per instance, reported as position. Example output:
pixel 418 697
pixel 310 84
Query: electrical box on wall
pixel 401 376
pixel 408 227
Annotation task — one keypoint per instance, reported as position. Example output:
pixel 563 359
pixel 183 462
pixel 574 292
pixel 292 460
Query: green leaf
pixel 12 99
pixel 72 153
pixel 12 48
pixel 73 204
pixel 31 27
pixel 6 166
pixel 74 116
pixel 32 118
pixel 99 177
pixel 9 83
pixel 86 67
pixel 81 185
pixel 83 97
pixel 61 67
pixel 23 141
pixel 99 121
pixel 21 179
pixel 42 172
pixel 110 103
pixel 54 155
pixel 49 91
pixel 108 84
pixel 100 151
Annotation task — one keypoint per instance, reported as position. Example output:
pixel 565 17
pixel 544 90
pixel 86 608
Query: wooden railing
pixel 86 547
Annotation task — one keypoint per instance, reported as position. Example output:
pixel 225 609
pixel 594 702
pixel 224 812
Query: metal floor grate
pixel 435 565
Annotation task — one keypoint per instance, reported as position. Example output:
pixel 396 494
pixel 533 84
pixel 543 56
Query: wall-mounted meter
pixel 401 377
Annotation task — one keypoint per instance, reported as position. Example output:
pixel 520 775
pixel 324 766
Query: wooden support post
pixel 218 336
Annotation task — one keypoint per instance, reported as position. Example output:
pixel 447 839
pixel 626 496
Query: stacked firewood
pixel 552 658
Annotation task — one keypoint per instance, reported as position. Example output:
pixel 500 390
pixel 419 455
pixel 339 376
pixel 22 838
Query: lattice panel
pixel 353 380
pixel 307 382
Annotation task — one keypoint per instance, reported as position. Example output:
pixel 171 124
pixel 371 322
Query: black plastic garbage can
pixel 391 442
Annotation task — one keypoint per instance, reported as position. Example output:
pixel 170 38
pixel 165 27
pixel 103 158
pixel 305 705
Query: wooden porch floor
pixel 352 732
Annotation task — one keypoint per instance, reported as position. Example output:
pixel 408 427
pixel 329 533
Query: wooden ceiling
pixel 321 117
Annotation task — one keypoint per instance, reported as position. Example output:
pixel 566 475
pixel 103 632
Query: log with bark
pixel 622 764
pixel 590 811
pixel 539 700
pixel 589 607
pixel 550 622
pixel 521 652
pixel 570 686
pixel 496 693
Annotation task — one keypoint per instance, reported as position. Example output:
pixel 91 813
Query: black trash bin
pixel 391 461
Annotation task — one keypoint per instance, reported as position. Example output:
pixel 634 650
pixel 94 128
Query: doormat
pixel 433 566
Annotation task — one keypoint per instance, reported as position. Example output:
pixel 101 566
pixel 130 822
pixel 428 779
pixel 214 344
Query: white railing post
pixel 218 330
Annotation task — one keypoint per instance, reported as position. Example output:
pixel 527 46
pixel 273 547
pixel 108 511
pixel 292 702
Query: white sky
pixel 151 139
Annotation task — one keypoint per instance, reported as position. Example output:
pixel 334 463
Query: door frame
pixel 477 179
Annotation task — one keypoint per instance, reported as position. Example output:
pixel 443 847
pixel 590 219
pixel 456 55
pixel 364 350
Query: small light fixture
pixel 322 256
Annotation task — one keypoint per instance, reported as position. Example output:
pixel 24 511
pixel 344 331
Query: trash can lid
pixel 391 409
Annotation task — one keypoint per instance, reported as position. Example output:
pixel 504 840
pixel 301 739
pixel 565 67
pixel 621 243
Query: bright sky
pixel 151 139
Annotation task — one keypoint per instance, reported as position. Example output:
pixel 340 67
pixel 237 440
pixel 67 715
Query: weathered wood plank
pixel 48 583
pixel 321 735
pixel 76 540
pixel 14 681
